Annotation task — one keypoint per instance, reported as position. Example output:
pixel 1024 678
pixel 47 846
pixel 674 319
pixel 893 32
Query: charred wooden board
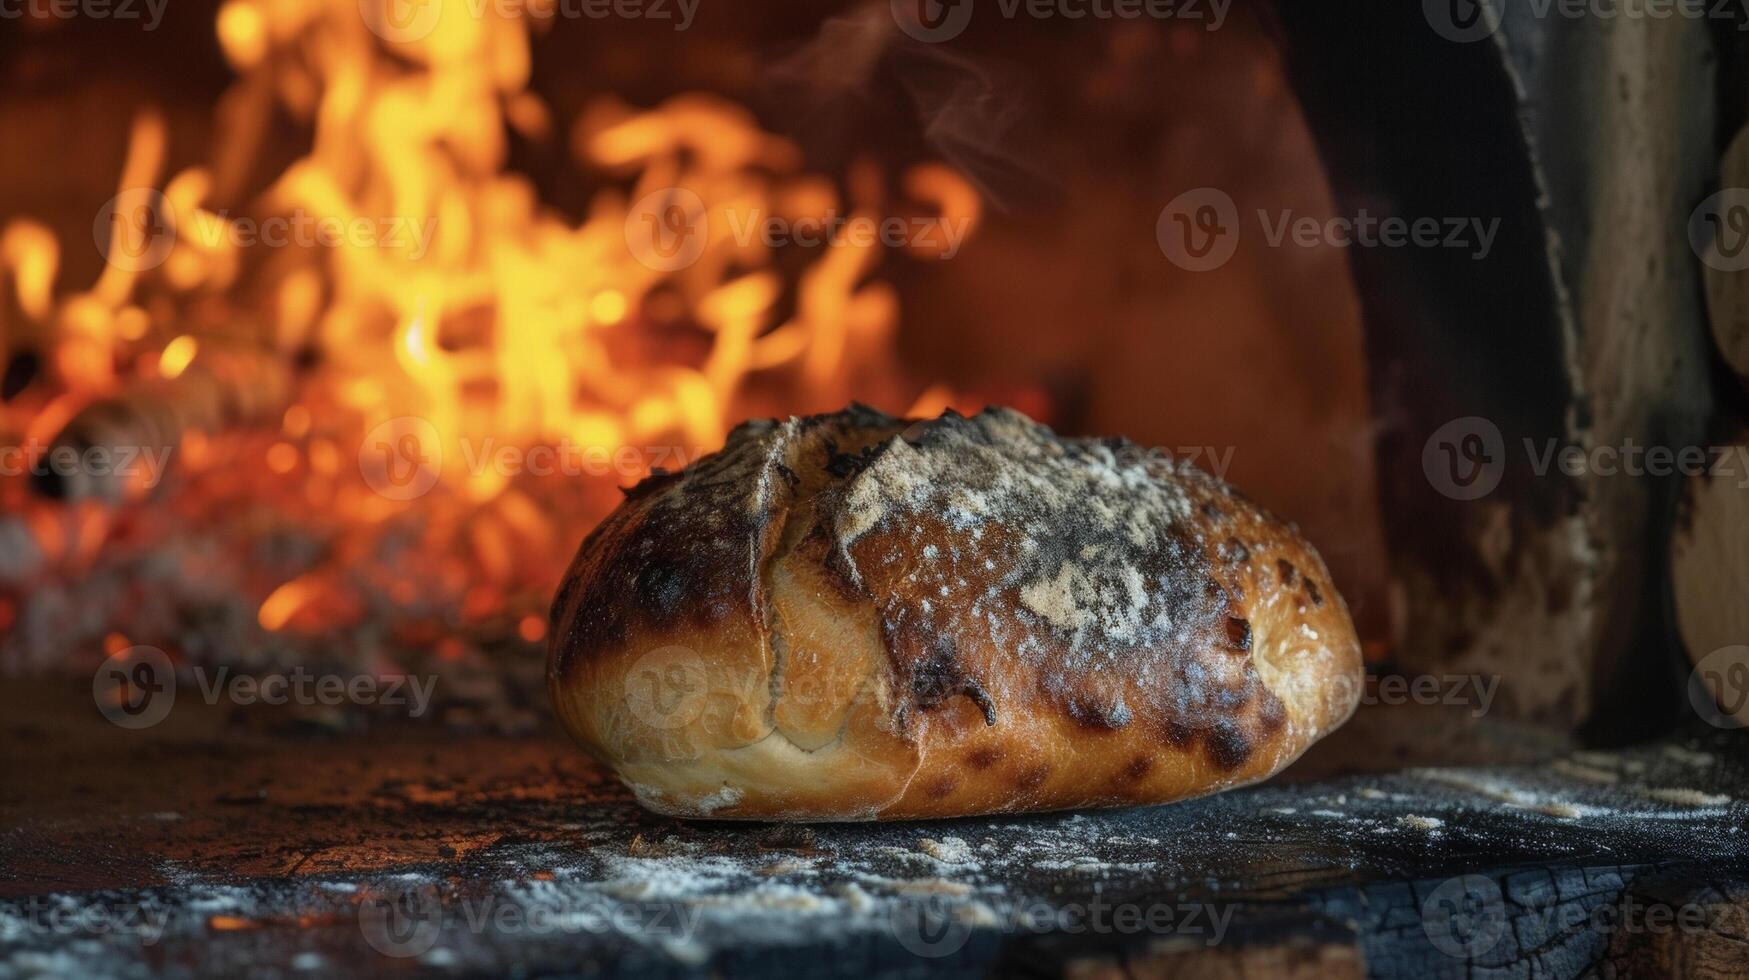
pixel 199 848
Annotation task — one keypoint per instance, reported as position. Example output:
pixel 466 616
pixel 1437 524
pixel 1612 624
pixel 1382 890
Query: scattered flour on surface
pixel 1687 797
pixel 948 850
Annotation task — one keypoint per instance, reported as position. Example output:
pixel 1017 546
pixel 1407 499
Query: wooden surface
pixel 228 843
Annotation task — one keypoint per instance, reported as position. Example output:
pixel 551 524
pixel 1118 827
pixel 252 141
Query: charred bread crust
pixel 855 616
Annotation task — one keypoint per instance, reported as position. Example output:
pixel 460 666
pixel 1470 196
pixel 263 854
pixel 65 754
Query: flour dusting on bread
pixel 899 618
pixel 1067 524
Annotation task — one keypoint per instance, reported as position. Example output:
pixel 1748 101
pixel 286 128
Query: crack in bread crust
pixel 996 617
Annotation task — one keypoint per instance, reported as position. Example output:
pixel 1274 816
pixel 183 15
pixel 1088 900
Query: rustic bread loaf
pixel 853 616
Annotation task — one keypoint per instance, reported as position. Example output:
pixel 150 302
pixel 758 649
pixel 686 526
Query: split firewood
pixel 1710 566
pixel 1289 959
pixel 1681 927
pixel 1727 290
pixel 119 447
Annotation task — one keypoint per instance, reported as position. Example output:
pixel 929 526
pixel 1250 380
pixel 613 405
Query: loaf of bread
pixel 854 616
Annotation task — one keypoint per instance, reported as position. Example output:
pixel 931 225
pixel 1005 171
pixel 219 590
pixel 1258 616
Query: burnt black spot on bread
pixel 983 757
pixel 982 699
pixel 1228 745
pixel 1313 593
pixel 661 588
pixel 941 788
pixel 1138 767
pixel 932 663
pixel 842 466
pixel 1287 572
pixel 1032 777
pixel 1239 632
pixel 1273 717
pixel 936 676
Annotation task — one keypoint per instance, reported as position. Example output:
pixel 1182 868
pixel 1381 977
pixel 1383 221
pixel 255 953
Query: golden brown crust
pixel 856 616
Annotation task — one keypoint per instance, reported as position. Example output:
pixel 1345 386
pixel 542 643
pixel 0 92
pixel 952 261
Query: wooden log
pixel 1290 959
pixel 1710 570
pixel 1727 287
pixel 1682 927
pixel 139 428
